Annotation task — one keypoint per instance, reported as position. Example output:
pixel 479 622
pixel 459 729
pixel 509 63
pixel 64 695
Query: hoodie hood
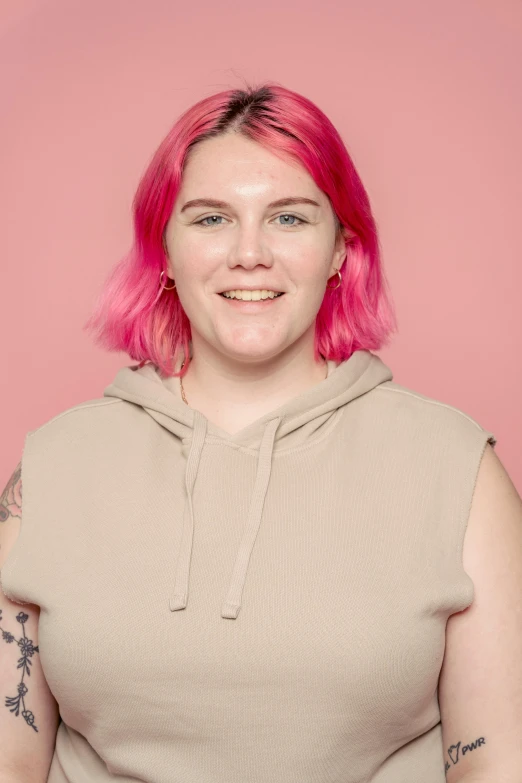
pixel 285 427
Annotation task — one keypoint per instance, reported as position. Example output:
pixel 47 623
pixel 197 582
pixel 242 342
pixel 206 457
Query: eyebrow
pixel 216 204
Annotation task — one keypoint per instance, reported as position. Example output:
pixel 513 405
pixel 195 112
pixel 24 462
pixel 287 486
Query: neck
pixel 234 395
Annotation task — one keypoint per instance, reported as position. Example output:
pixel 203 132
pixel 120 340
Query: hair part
pixel 134 314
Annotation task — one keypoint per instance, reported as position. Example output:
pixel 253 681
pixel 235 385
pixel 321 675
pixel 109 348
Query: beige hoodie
pixel 329 531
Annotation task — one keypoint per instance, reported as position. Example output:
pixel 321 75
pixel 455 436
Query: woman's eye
pixel 291 224
pixel 219 217
pixel 206 225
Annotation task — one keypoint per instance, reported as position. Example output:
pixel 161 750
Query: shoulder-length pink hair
pixel 133 314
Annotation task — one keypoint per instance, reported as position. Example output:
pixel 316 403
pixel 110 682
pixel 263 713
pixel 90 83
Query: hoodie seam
pixel 75 409
pixel 429 401
pixel 310 443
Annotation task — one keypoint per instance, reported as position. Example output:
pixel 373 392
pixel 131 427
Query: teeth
pixel 247 296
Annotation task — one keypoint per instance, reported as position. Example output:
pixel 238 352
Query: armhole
pixel 491 439
pixel 485 437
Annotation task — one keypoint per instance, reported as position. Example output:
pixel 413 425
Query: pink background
pixel 427 97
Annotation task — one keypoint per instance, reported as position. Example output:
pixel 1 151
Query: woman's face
pixel 247 242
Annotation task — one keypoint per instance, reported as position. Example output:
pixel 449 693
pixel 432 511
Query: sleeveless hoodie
pixel 266 606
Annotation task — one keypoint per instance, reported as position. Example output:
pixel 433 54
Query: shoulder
pixel 84 428
pixel 409 408
pixel 82 412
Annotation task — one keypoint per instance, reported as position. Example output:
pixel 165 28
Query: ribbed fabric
pixel 263 607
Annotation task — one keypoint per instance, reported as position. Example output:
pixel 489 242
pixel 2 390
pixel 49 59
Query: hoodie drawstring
pixel 179 599
pixel 232 604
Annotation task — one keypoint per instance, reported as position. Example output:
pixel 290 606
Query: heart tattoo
pixel 454 752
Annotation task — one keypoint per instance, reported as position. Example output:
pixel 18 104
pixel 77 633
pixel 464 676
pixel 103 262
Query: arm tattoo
pixel 11 497
pixel 11 505
pixel 27 651
pixel 455 752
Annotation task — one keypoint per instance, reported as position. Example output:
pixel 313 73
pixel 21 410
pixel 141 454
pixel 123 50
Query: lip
pixel 251 288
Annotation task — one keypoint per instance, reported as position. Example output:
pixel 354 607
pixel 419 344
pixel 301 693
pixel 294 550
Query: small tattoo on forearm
pixel 456 752
pixel 24 663
pixel 11 497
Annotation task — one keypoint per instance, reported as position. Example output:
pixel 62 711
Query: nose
pixel 250 249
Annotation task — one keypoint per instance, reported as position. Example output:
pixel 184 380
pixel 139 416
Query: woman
pixel 258 464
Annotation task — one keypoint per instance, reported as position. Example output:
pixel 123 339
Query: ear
pixel 165 250
pixel 340 251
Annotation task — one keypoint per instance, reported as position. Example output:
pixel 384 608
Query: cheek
pixel 309 268
pixel 192 265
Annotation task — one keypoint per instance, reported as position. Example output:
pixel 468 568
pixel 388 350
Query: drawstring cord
pixel 232 604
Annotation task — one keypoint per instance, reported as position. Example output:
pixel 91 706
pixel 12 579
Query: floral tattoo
pixel 27 651
pixel 11 497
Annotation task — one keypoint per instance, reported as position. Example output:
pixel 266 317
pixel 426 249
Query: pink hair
pixel 133 314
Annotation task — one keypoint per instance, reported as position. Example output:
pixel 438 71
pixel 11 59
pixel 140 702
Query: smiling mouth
pixel 258 298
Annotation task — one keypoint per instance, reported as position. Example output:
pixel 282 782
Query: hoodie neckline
pixel 142 385
pixel 243 435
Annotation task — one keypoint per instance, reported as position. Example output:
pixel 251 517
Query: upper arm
pixel 28 712
pixel 480 685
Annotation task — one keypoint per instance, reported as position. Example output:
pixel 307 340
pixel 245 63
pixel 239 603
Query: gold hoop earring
pixel 163 286
pixel 333 287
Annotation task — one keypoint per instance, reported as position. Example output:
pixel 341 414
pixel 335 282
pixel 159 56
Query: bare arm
pixel 480 688
pixel 29 714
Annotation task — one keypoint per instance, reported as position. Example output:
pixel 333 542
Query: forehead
pixel 234 163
